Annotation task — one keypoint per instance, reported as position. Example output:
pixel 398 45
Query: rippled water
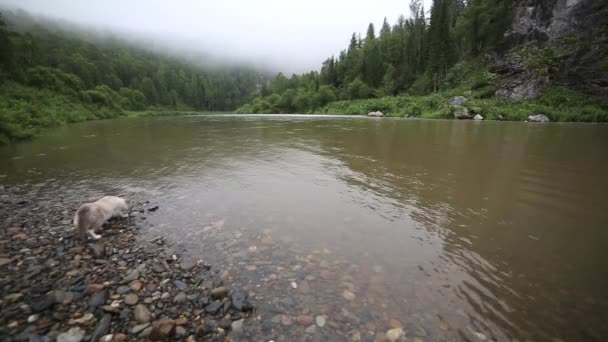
pixel 458 230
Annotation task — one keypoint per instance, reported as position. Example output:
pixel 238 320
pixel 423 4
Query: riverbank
pixel 557 103
pixel 26 111
pixel 115 289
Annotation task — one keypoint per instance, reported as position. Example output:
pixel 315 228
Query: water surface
pixel 458 230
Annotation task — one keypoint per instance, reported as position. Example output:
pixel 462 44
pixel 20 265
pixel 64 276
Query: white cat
pixel 91 216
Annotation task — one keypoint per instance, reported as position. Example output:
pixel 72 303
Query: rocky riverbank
pixel 119 288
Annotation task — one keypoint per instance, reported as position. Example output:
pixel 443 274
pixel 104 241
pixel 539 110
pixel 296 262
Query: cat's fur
pixel 91 216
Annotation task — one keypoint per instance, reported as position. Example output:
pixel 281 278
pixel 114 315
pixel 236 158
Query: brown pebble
pixel 120 337
pixel 20 236
pixel 93 288
pixel 305 320
pixel 181 321
pixel 286 320
pixel 136 286
pixel 395 324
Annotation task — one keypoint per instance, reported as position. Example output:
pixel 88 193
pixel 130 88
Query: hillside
pixel 52 73
pixel 510 59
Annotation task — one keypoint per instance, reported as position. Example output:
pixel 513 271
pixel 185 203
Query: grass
pixel 557 103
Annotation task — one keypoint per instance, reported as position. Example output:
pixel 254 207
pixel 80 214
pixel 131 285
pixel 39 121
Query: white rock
pixel 394 334
pixel 320 320
pixel 72 335
pixel 478 117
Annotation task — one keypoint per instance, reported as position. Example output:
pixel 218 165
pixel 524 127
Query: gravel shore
pixel 118 288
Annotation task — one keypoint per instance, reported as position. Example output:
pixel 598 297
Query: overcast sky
pixel 291 36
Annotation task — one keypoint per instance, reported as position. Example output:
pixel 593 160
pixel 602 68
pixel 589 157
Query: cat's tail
pixel 80 221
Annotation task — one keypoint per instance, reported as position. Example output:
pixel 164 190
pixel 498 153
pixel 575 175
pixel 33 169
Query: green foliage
pixel 60 76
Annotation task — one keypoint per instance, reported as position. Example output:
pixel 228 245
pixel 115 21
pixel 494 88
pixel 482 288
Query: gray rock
pixel 102 328
pixel 72 335
pixel 214 307
pixel 158 268
pixel 237 326
pixel 219 292
pixel 42 303
pixel 457 101
pixel 180 298
pixel 99 249
pixel 311 329
pixel 141 314
pixel 478 117
pixel 123 289
pixel 139 328
pixel 131 299
pixel 538 118
pixel 239 301
pixel 180 285
pixel 525 85
pixel 462 113
pixel 134 275
pixel 61 296
pixel 187 264
pixel 98 298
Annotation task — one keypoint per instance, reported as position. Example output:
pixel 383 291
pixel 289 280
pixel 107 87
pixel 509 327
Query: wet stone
pixel 73 335
pixel 139 328
pixel 237 326
pixel 131 299
pixel 219 292
pixel 133 275
pixel 180 297
pixel 187 264
pixel 180 285
pixel 98 299
pixel 102 328
pixel 214 307
pixel 141 314
pixel 136 285
pixel 305 320
pixel 122 289
pixel 286 320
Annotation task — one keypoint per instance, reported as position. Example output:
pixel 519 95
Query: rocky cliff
pixel 555 42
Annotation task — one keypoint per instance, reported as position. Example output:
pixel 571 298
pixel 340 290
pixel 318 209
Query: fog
pixel 279 35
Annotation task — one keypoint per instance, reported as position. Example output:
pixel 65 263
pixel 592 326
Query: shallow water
pixel 458 230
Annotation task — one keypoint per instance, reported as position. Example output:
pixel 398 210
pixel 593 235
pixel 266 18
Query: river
pixel 452 230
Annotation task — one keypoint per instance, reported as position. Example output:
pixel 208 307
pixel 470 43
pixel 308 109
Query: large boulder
pixel 377 114
pixel 538 118
pixel 462 113
pixel 478 117
pixel 457 101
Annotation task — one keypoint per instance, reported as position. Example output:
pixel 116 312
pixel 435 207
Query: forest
pixel 51 74
pixel 413 67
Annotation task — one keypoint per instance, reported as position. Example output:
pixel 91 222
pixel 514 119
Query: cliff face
pixel 555 41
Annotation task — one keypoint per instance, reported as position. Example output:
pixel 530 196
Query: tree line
pixel 111 74
pixel 415 56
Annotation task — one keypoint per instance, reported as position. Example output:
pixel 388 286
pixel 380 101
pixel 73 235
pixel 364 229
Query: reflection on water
pixel 453 230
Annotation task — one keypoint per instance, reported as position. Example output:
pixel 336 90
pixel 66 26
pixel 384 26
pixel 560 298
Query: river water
pixel 452 230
